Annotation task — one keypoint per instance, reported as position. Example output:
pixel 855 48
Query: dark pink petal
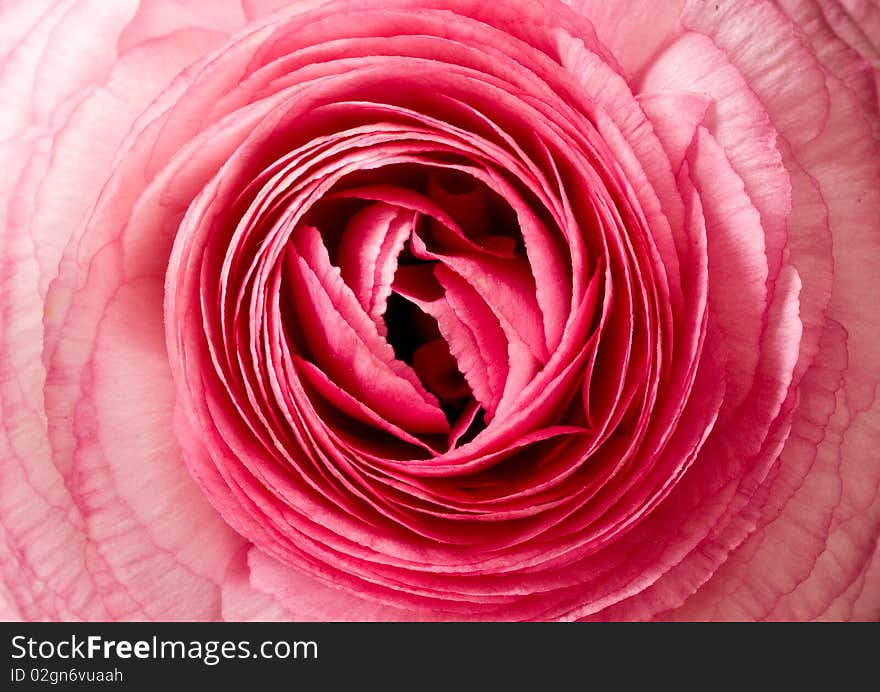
pixel 348 403
pixel 479 348
pixel 498 341
pixel 368 253
pixel 347 344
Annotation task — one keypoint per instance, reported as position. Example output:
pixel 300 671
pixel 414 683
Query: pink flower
pixel 439 309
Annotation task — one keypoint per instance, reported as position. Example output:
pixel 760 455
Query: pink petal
pixel 821 516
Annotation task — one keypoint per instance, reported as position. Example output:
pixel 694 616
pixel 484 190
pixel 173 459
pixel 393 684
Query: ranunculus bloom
pixel 439 309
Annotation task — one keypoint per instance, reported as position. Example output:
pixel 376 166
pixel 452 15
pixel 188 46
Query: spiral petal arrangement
pixel 453 310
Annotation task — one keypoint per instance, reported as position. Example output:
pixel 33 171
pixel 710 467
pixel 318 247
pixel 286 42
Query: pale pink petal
pixel 142 524
pixel 737 263
pixel 68 576
pixel 738 122
pixel 306 599
pixel 675 116
pixel 162 17
pixel 765 49
pixel 825 522
pixel 634 30
pixel 241 602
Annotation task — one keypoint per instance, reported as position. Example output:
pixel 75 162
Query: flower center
pixel 434 259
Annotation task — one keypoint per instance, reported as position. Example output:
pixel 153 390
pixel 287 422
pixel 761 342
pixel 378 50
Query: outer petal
pixel 822 509
pixel 63 526
pixel 634 30
pixel 295 596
